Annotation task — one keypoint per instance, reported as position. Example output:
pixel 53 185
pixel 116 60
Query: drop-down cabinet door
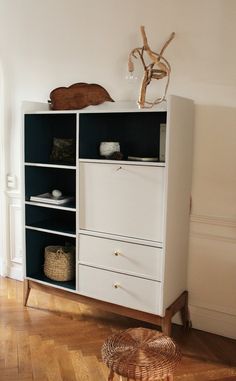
pixel 124 200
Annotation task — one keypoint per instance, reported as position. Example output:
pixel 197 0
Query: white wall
pixel 46 44
pixel 212 260
pixel 3 199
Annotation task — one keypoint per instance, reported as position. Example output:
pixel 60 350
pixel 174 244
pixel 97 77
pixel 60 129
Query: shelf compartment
pixel 40 130
pixel 138 133
pixel 58 221
pixel 40 180
pixel 36 241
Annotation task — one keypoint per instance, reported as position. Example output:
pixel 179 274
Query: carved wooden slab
pixel 77 96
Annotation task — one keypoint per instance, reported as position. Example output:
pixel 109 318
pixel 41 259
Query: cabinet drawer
pixel 119 199
pixel 121 256
pixel 125 290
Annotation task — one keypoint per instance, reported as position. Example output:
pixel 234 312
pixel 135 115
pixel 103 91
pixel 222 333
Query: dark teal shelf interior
pixel 57 220
pixel 138 133
pixel 57 226
pixel 40 131
pixel 40 276
pixel 36 242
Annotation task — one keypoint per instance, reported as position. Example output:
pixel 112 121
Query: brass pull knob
pixel 116 253
pixel 116 285
pixel 119 168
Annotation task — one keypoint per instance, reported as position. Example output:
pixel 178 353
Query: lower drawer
pixel 125 290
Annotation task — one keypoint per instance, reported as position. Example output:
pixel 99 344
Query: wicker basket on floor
pixel 59 263
pixel 141 354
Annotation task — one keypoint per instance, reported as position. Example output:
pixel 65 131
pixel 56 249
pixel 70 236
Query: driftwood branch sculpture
pixel 157 68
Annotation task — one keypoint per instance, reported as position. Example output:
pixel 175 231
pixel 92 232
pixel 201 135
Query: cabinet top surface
pixel 106 107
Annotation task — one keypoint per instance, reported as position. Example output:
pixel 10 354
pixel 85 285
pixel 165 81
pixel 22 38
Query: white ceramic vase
pixel 106 149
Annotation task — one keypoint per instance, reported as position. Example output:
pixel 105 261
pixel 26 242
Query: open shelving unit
pixel 48 224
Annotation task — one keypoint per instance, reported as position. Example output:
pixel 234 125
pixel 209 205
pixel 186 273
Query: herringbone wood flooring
pixel 59 340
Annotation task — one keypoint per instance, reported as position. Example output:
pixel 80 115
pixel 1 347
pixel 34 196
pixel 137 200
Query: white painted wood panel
pixel 15 258
pixel 141 260
pixel 177 196
pixel 122 199
pixel 212 248
pixel 15 234
pixel 124 290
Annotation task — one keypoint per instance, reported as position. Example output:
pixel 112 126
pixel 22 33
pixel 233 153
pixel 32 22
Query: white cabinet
pixel 130 219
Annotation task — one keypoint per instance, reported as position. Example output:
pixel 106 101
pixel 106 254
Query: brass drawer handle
pixel 116 285
pixel 117 253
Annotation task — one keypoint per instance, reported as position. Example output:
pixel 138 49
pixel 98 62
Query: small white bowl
pixel 106 149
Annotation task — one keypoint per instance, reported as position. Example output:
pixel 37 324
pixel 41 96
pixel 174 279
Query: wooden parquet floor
pixel 59 340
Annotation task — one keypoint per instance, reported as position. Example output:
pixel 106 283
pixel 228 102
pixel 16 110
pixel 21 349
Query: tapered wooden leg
pixel 185 315
pixel 26 291
pixel 180 304
pixel 111 375
pixel 170 377
pixel 166 324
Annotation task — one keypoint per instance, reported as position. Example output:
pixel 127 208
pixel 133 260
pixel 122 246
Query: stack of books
pixel 49 199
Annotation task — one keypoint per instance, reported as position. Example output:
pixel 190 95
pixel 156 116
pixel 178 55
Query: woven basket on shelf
pixel 141 354
pixel 59 262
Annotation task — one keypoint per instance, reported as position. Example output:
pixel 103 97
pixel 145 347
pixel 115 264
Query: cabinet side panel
pixel 180 121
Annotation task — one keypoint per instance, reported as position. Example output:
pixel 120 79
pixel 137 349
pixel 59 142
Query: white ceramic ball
pixel 56 193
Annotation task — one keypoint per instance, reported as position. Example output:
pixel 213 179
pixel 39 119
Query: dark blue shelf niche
pixel 40 180
pixel 36 242
pixel 51 219
pixel 137 132
pixel 40 129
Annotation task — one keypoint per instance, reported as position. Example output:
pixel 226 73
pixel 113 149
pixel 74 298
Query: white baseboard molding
pixel 15 272
pixel 215 322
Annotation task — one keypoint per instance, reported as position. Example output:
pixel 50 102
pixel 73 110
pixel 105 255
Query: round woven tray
pixel 141 354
